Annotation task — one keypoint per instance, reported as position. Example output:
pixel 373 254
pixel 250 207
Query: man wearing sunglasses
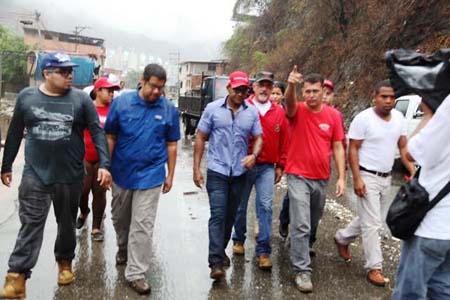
pixel 55 116
pixel 227 123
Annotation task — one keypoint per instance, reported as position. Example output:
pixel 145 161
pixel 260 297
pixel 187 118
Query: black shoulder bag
pixel 410 206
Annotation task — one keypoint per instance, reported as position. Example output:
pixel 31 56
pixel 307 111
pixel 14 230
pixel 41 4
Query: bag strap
pixel 445 190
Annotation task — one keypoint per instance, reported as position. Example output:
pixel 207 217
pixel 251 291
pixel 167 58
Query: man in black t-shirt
pixel 54 115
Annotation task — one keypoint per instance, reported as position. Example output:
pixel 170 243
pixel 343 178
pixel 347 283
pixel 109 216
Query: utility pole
pixel 77 31
pixel 1 74
pixel 37 16
pixel 174 59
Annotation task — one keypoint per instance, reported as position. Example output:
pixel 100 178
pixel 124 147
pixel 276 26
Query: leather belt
pixel 381 174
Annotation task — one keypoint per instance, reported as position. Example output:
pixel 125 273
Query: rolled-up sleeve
pixel 204 125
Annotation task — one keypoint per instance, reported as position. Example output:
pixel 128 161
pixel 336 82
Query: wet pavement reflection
pixel 179 267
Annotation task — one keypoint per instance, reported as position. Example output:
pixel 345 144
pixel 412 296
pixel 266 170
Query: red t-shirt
pixel 90 154
pixel 312 137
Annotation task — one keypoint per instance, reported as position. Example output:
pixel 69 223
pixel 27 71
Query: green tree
pixel 13 52
pixel 132 78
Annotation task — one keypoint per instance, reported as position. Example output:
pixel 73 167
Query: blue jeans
pixel 424 270
pixel 224 197
pixel 262 176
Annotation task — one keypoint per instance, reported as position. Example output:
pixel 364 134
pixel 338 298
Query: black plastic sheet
pixel 425 75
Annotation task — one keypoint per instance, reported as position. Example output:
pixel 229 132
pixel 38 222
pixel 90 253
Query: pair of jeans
pixel 90 182
pixel 262 176
pixel 224 193
pixel 306 205
pixel 424 270
pixel 35 199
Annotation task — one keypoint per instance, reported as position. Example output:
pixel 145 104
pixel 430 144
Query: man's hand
pixel 198 178
pixel 295 77
pixel 167 185
pixel 104 178
pixel 7 179
pixel 340 187
pixel 360 187
pixel 278 174
pixel 249 161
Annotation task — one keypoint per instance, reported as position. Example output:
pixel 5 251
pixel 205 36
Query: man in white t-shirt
pixel 424 270
pixel 374 134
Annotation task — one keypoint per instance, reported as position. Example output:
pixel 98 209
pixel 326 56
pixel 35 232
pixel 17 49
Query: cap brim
pixel 67 64
pixel 238 84
pixel 264 79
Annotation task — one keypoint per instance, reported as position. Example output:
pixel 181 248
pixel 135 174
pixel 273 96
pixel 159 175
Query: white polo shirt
pixel 380 138
pixel 431 150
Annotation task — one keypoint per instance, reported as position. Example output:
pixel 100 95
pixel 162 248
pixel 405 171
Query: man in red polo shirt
pixel 316 133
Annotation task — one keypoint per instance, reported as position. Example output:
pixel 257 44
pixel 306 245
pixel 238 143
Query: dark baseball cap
pixel 264 75
pixel 56 60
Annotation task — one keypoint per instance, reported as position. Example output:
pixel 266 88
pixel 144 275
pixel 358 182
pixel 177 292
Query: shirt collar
pixel 243 105
pixel 139 101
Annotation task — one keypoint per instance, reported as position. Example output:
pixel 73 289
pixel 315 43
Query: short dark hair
pixel 314 78
pixel 280 85
pixel 154 70
pixel 384 83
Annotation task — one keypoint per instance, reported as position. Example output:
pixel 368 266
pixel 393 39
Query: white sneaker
pixel 303 282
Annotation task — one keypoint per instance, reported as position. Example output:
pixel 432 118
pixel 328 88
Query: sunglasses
pixel 241 90
pixel 63 72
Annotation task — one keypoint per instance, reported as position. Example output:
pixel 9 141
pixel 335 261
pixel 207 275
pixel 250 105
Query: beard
pixel 262 98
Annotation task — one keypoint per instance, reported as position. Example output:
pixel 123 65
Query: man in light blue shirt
pixel 227 124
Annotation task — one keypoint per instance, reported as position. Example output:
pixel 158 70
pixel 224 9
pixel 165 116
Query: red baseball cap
pixel 103 82
pixel 328 83
pixel 238 78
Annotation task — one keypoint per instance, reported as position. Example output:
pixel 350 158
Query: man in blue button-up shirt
pixel 142 130
pixel 228 123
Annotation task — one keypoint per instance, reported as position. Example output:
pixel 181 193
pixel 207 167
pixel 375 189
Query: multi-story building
pixel 191 72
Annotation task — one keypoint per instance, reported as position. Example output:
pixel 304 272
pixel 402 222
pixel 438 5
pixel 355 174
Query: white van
pixel 409 106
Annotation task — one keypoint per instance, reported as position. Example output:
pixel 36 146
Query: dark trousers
pixel 224 194
pixel 35 199
pixel 98 195
pixel 284 213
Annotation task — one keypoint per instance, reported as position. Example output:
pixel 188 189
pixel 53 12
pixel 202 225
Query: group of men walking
pixel 252 142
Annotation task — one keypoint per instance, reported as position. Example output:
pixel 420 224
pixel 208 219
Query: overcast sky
pixel 182 21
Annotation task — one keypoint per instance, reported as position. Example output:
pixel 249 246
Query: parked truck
pixel 83 75
pixel 191 106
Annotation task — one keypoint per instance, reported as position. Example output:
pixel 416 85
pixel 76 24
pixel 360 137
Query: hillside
pixel 344 40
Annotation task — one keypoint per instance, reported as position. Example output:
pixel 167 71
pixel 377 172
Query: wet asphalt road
pixel 179 267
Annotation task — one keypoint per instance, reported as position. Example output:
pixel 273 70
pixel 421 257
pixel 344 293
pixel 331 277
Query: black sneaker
pixel 226 261
pixel 283 230
pixel 121 258
pixel 81 221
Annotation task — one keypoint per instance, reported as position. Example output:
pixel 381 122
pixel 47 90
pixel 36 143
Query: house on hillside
pixel 191 72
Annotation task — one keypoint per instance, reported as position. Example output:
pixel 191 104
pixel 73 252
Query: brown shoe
pixel 65 275
pixel 343 251
pixel 375 277
pixel 217 272
pixel 14 287
pixel 140 286
pixel 238 248
pixel 264 262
